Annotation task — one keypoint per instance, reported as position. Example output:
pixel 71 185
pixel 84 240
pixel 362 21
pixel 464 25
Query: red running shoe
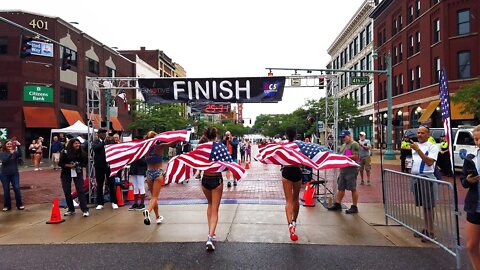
pixel 292 230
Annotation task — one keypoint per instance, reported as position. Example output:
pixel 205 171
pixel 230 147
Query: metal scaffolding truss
pixel 97 88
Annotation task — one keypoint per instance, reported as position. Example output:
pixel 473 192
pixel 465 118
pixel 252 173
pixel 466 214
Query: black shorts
pixel 473 218
pixel 424 195
pixel 293 174
pixel 212 182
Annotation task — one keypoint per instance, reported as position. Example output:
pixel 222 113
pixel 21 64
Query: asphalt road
pixel 227 256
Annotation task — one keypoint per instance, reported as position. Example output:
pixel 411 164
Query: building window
pixel 357 97
pixel 363 94
pixel 464 65
pixel 411 79
pixel 385 89
pixel 417 13
pixel 3 45
pixel 400 52
pixel 436 70
pixel 434 2
pixel 369 33
pixel 93 66
pixel 370 93
pixel 384 35
pixel 369 61
pixel 355 46
pixel 73 57
pixel 362 64
pixel 111 72
pixel 400 84
pixel 68 96
pixel 395 55
pixel 394 26
pixel 417 47
pixel 436 30
pixel 3 91
pixel 410 14
pixel 419 76
pixel 395 85
pixel 463 21
pixel 414 116
pixel 400 23
pixel 362 40
pixel 410 46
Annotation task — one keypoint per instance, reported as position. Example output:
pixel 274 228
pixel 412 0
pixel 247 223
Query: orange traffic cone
pixel 120 197
pixel 55 218
pixel 247 165
pixel 130 195
pixel 308 195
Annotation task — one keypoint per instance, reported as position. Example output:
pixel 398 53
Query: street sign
pixel 359 80
pixel 296 82
pixel 41 48
pixel 320 126
pixel 37 93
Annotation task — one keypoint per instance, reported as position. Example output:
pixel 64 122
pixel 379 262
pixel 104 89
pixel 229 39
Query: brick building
pixel 422 37
pixel 36 94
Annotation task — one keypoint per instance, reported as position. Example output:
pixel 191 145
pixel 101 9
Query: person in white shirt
pixel 424 155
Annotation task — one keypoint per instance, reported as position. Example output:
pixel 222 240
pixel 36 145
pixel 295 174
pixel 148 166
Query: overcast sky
pixel 216 38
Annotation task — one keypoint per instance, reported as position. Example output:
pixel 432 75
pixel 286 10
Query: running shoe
pixel 133 207
pixel 209 244
pixel 292 231
pixel 159 220
pixel 141 207
pixel 146 215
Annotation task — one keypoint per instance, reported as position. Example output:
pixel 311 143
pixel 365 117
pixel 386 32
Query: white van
pixel 462 139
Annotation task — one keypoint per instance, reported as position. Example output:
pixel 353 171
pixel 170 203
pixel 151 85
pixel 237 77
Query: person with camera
pixel 470 178
pixel 232 145
pixel 9 174
pixel 365 159
pixel 72 161
pixel 405 152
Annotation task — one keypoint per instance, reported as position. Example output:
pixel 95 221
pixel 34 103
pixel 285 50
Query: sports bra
pixel 153 157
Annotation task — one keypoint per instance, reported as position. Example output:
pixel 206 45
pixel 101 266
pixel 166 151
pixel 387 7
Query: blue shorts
pixel 153 174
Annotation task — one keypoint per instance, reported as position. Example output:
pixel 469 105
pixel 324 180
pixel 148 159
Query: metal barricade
pixel 425 206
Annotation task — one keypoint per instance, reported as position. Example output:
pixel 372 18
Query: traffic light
pixel 321 82
pixel 25 47
pixel 66 60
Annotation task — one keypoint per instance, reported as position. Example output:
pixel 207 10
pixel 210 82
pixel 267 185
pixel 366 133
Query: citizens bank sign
pixel 37 93
pixel 232 90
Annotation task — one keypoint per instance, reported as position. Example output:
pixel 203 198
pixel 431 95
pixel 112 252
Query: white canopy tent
pixel 77 128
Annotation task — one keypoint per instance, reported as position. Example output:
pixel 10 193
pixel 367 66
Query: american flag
pixel 302 153
pixel 121 154
pixel 445 108
pixel 210 157
pixel 121 94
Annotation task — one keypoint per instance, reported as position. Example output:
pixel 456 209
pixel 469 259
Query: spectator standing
pixel 9 175
pixel 424 155
pixel 72 161
pixel 365 159
pixel 248 151
pixel 137 172
pixel 242 146
pixel 470 179
pixel 347 180
pixel 232 146
pixel 405 153
pixel 102 171
pixel 56 148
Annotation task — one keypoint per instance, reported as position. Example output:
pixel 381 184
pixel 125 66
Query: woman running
pixel 155 176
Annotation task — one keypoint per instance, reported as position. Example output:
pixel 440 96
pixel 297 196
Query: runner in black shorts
pixel 212 187
pixel 291 181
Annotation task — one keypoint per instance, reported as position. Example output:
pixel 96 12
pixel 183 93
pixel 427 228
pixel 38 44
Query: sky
pixel 216 38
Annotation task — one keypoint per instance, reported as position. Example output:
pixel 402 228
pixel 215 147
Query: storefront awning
pixel 456 110
pixel 116 123
pixel 72 116
pixel 428 111
pixel 40 117
pixel 96 120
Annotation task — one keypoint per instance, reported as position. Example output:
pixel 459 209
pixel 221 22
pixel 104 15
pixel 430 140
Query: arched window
pixel 414 116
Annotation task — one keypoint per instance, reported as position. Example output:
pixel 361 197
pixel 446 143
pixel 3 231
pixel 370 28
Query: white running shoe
pixel 86 214
pixel 99 207
pixel 114 206
pixel 159 220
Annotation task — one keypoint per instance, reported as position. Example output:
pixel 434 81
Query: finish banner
pixel 232 90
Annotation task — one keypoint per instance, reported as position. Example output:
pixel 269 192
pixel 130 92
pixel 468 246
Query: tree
pixel 347 111
pixel 468 95
pixel 159 117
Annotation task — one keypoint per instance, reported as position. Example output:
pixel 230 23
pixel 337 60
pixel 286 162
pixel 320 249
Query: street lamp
pixel 389 154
